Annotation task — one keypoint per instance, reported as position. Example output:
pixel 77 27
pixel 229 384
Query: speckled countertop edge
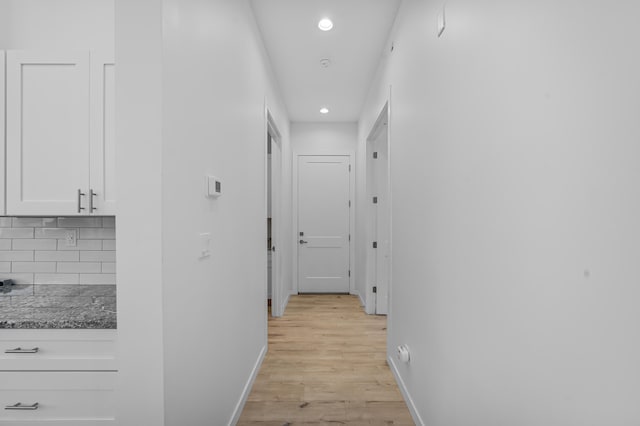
pixel 59 324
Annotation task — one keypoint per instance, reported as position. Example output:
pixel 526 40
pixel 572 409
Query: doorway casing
pixel 378 217
pixel 352 185
pixel 277 238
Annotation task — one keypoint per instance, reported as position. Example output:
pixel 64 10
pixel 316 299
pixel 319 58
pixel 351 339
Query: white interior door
pixel 47 132
pixel 323 224
pixel 274 212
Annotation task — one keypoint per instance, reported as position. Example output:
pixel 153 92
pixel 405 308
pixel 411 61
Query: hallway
pixel 325 365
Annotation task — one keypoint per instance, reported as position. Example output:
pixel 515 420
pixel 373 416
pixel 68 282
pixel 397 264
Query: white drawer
pixel 84 350
pixel 64 398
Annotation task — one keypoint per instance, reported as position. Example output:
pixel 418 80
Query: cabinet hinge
pixel 375 155
pixel 349 203
pixel 349 237
pixel 375 244
pixel 349 272
pixel 375 289
pixel 349 167
pixel 375 200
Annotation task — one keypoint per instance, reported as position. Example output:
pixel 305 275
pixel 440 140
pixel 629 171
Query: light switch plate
pixel 205 244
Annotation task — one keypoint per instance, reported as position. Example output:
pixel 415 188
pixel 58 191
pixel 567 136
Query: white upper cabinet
pixel 47 132
pixel 102 177
pixel 59 134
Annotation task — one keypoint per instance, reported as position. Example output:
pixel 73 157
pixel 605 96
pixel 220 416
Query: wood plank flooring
pixel 326 365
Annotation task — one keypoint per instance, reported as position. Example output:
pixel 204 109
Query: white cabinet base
pixel 70 350
pixel 71 398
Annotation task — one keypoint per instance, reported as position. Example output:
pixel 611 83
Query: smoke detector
pixel 324 63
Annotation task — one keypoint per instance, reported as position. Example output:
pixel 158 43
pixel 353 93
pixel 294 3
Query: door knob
pixel 303 242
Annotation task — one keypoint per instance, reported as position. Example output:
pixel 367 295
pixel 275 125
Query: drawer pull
pixel 21 406
pixel 21 351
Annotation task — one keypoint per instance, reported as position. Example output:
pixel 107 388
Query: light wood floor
pixel 326 364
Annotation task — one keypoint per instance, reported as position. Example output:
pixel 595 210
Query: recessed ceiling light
pixel 325 24
pixel 324 110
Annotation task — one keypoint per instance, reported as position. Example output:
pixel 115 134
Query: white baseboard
pixel 247 387
pixel 405 392
pixel 285 303
pixel 361 300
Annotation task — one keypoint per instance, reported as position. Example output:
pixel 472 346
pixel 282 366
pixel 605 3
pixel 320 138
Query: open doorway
pixel 273 194
pixel 379 223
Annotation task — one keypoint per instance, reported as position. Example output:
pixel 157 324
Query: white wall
pixel 59 24
pixel 207 97
pixel 139 87
pixel 514 147
pixel 324 138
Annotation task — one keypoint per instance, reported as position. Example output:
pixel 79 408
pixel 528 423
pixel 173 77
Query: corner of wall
pixel 405 392
pixel 247 387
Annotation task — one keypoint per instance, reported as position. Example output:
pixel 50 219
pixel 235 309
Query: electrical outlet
pixel 70 238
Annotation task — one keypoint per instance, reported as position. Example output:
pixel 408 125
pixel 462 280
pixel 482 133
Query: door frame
pixel 2 126
pixel 352 185
pixel 277 236
pixel 382 124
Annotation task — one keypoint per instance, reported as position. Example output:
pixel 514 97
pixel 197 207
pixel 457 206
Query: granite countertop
pixel 59 324
pixel 59 307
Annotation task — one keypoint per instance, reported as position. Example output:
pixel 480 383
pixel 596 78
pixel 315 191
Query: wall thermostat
pixel 214 187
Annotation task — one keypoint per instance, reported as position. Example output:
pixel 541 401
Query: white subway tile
pixel 57 279
pixel 19 278
pixel 108 244
pixel 97 278
pixel 108 267
pixel 80 222
pixel 33 267
pixel 57 233
pixel 5 244
pixel 5 266
pixel 79 267
pixel 50 222
pixel 34 222
pixel 12 256
pixel 57 256
pixel 97 256
pixel 34 244
pixel 109 222
pixel 5 222
pixel 81 245
pixel 97 233
pixel 16 232
pixel 27 222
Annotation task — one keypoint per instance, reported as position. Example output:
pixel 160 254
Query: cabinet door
pixel 102 166
pixel 2 162
pixel 47 132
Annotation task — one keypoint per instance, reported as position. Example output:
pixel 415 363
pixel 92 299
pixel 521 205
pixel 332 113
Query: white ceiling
pixel 295 46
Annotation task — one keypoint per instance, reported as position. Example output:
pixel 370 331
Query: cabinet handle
pixel 91 195
pixel 21 406
pixel 22 351
pixel 80 195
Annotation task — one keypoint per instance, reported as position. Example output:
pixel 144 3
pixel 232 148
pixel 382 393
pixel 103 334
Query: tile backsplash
pixel 64 270
pixel 58 250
